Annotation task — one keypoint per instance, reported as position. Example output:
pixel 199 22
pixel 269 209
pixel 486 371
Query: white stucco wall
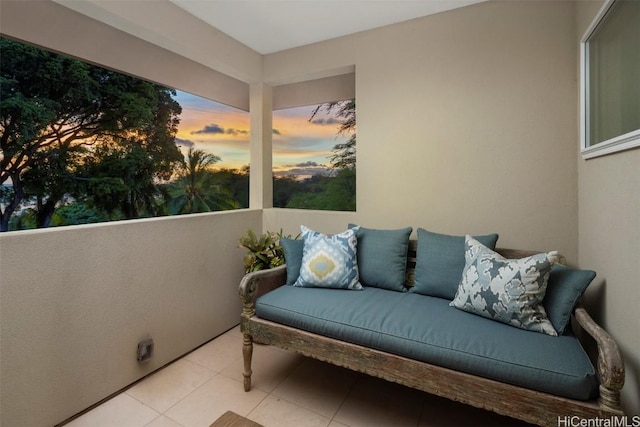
pixel 75 301
pixel 466 121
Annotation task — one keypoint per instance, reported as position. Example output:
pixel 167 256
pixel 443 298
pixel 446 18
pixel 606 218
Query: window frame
pixel 618 143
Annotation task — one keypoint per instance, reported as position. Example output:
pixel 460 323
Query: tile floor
pixel 288 390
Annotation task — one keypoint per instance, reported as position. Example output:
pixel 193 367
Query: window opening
pixel 82 144
pixel 314 157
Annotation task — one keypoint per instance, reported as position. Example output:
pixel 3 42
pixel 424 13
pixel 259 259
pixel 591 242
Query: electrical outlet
pixel 145 350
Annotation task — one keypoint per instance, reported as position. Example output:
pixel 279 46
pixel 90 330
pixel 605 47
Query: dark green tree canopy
pixel 58 114
pixel 198 188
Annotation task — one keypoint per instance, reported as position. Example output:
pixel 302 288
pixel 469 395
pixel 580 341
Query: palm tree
pixel 196 189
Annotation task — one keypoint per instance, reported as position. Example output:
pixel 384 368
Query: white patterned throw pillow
pixel 508 290
pixel 329 261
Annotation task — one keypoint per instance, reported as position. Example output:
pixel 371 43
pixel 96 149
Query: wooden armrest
pixel 610 363
pixel 259 283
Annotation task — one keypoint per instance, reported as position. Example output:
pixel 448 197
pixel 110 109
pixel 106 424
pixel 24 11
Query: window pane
pixel 614 73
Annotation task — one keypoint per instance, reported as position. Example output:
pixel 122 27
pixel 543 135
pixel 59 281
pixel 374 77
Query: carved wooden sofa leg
pixel 247 354
pixel 249 292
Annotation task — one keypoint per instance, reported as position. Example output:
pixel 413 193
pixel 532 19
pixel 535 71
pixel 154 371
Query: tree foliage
pixel 60 117
pixel 344 154
pixel 237 181
pixel 196 189
pixel 335 193
pixel 80 143
pixel 120 180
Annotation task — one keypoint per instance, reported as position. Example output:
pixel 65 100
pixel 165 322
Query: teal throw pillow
pixel 566 286
pixel 440 261
pixel 507 290
pixel 382 257
pixel 292 249
pixel 329 261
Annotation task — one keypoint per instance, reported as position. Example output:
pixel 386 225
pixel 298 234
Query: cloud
pixel 307 164
pixel 184 142
pixel 304 170
pixel 212 128
pixel 276 132
pixel 236 132
pixel 324 122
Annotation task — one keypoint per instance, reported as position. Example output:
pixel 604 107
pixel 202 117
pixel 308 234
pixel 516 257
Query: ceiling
pixel 268 26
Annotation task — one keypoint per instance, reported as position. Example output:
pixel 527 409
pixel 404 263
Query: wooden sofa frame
pixel 517 402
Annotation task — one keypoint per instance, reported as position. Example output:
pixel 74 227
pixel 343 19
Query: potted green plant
pixel 263 252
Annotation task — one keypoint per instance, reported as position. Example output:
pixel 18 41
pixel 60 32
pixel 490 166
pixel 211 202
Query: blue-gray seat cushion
pixel 428 329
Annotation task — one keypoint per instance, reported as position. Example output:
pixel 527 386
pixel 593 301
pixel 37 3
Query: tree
pixel 46 181
pixel 341 191
pixel 237 181
pixel 284 188
pixel 77 213
pixel 196 189
pixel 71 213
pixel 120 181
pixel 55 111
pixel 335 193
pixel 344 154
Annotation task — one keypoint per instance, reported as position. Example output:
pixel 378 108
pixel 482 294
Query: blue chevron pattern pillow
pixel 329 261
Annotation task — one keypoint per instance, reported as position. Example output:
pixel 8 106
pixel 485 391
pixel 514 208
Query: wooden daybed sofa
pixel 489 391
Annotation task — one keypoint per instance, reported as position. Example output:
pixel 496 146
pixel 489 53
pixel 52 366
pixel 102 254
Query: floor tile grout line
pixel 182 398
pixel 215 373
pixel 186 396
pixel 348 394
pixel 300 406
pixel 163 415
pixel 332 417
pixel 140 402
pixel 212 370
pixel 257 405
pixel 270 394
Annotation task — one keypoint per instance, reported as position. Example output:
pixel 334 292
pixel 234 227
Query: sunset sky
pixel 300 147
